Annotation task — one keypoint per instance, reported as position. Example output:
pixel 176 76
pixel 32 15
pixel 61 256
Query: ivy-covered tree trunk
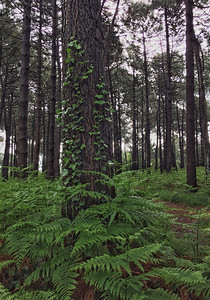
pixel 22 138
pixel 190 102
pixel 87 128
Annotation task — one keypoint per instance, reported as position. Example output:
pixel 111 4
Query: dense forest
pixel 105 156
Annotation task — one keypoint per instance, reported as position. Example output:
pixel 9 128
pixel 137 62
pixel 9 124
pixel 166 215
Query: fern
pixel 101 244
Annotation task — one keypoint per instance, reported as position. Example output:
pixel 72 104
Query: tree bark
pixel 134 128
pixel 190 102
pixel 202 108
pixel 87 146
pixel 8 126
pixel 147 130
pixel 58 127
pixel 22 138
pixel 51 145
pixel 168 97
pixel 39 93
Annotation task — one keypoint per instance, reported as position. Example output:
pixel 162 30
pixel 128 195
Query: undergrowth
pixel 120 249
pixel 170 186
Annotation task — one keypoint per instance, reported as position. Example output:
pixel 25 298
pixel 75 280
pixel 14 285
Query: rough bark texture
pixel 181 141
pixel 202 108
pixel 51 145
pixel 91 148
pixel 24 89
pixel 147 130
pixel 39 94
pixel 58 128
pixel 190 102
pixel 168 97
pixel 134 127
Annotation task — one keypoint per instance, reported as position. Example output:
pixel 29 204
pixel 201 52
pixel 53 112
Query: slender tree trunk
pixel 3 96
pixel 168 97
pixel 22 138
pixel 134 127
pixel 197 160
pixel 58 127
pixel 147 131
pixel 45 139
pixel 51 145
pixel 157 140
pixel 115 125
pixel 31 156
pixel 181 146
pixel 203 109
pixel 143 162
pixel 39 93
pixel 191 165
pixel 8 126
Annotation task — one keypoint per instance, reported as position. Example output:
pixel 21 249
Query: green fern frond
pixel 4 264
pixel 177 277
pixel 64 280
pixel 160 294
pixel 119 262
pixel 5 294
pixel 115 285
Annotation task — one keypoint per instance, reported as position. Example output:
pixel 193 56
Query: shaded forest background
pixel 145 76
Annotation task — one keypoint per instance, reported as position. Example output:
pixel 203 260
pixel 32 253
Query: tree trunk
pixel 58 127
pixel 203 108
pixel 134 127
pixel 168 97
pixel 87 135
pixel 190 102
pixel 147 130
pixel 22 138
pixel 51 145
pixel 181 146
pixel 39 93
pixel 8 126
pixel 143 162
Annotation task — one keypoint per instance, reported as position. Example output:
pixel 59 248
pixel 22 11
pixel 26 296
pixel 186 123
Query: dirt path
pixel 185 215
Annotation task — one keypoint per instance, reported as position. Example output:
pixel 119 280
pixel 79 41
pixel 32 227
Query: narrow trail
pixel 185 215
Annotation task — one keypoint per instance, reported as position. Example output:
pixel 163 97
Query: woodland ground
pixel 188 210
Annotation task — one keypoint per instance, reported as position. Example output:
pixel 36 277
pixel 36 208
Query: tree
pixel 24 89
pixel 51 144
pixel 87 130
pixel 190 102
pixel 39 92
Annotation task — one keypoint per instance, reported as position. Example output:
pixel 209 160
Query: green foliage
pixel 168 186
pixel 117 247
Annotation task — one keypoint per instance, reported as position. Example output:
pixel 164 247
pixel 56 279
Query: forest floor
pixel 185 215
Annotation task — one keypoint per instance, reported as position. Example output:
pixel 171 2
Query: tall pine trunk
pixel 134 127
pixel 168 98
pixel 87 134
pixel 147 130
pixel 190 102
pixel 8 128
pixel 51 144
pixel 22 138
pixel 39 94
